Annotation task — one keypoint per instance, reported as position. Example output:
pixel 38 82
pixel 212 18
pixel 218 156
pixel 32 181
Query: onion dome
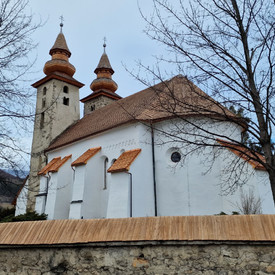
pixel 60 58
pixel 104 72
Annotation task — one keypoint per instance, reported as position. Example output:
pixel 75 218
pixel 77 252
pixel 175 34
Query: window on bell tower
pixel 44 91
pixel 43 103
pixel 66 101
pixel 65 89
pixel 42 120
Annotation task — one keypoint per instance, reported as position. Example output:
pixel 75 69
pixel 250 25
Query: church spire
pixel 60 56
pixel 103 86
pixel 104 72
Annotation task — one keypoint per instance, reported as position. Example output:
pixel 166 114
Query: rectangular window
pixel 66 101
pixel 42 118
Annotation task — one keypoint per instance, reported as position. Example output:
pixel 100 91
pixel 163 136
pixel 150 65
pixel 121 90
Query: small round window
pixel 175 157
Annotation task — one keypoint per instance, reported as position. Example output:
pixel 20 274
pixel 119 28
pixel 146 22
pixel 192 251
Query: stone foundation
pixel 141 258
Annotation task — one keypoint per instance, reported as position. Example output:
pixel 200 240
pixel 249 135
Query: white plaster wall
pixel 196 185
pixel 60 193
pixel 265 192
pixel 113 143
pixel 41 200
pixel 183 188
pixel 191 187
pixel 64 191
pixel 119 196
pixel 21 202
pixel 51 197
pixel 77 192
pixel 142 183
pixel 95 201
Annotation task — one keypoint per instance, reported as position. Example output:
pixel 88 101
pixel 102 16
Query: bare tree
pixel 227 48
pixel 16 28
pixel 249 203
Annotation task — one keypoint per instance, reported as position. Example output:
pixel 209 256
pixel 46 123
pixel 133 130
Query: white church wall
pixel 247 181
pixel 142 176
pixel 51 196
pixel 119 196
pixel 265 192
pixel 77 192
pixel 193 186
pixel 21 202
pixel 59 193
pixel 183 188
pixel 64 191
pixel 190 187
pixel 94 203
pixel 112 144
pixel 40 202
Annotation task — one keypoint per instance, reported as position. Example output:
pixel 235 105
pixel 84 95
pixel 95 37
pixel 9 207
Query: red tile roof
pixel 244 153
pixel 123 163
pixel 82 160
pixel 153 104
pixel 55 167
pixel 253 228
pixel 46 168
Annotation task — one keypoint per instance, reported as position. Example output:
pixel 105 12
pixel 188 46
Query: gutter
pixel 131 193
pixel 154 168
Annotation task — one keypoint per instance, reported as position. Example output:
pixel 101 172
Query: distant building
pixel 119 159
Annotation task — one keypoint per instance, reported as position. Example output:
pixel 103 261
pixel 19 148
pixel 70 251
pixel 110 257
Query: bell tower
pixel 103 86
pixel 57 107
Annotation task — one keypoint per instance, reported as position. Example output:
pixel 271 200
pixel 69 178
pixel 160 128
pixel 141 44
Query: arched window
pixel 43 102
pixel 65 89
pixel 66 101
pixel 92 107
pixel 44 91
pixel 105 173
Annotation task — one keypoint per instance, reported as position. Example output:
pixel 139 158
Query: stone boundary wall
pixel 223 258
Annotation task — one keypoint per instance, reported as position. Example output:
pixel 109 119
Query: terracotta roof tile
pixel 82 160
pixel 236 228
pixel 55 167
pixel 46 169
pixel 124 161
pixel 245 154
pixel 153 104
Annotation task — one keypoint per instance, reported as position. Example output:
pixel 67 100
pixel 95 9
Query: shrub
pixel 29 216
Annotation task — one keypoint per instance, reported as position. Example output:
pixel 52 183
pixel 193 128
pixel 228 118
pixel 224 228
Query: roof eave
pixel 58 77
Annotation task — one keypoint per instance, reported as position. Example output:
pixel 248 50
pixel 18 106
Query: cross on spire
pixel 61 23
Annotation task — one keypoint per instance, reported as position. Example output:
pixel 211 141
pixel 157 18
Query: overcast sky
pixel 86 23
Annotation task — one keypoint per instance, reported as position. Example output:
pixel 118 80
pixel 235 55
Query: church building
pixel 164 151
